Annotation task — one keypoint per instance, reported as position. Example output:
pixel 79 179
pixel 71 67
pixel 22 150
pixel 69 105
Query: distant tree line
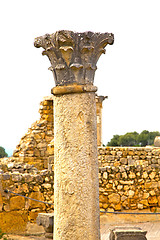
pixel 3 152
pixel 134 139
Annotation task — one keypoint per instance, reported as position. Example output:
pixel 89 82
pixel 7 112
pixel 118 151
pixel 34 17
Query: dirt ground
pixel 151 224
pixel 20 237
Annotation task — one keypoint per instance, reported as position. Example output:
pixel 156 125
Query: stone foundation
pixel 129 180
pixel 26 180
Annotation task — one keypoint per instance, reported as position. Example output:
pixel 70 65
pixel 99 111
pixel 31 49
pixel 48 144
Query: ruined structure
pixel 157 141
pixel 121 233
pixel 37 145
pixel 99 100
pixel 73 58
pixel 129 180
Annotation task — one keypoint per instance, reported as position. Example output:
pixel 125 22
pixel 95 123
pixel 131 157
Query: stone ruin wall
pixel 24 179
pixel 37 146
pixel 129 180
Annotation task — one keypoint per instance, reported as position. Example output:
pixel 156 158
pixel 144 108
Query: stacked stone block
pixel 37 145
pixel 34 147
pixel 26 180
pixel 129 178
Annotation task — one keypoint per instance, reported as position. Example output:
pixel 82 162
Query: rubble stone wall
pixel 24 179
pixel 129 178
pixel 36 146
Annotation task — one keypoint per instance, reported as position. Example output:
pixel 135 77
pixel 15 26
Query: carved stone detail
pixel 73 55
pixel 47 221
pixel 126 233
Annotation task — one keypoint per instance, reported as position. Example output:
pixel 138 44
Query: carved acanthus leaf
pixel 73 55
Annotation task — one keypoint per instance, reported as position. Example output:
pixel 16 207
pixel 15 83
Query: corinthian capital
pixel 73 55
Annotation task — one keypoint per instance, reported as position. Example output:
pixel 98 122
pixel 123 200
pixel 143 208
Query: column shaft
pixel 76 168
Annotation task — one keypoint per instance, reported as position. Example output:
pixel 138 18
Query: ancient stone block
pixel 132 175
pixel 14 221
pixel 47 185
pixel 103 198
pixel 131 193
pixel 124 161
pixel 152 200
pixel 124 175
pixel 16 177
pixel 127 234
pixel 114 198
pixel 105 205
pixel 145 195
pixel 6 176
pixel 158 198
pixel 28 177
pixel 131 162
pixel 33 214
pixel 17 203
pixel 35 204
pixel 105 175
pixel 47 221
pixel 117 207
pixel 140 206
pixel 152 175
pixel 145 175
pixel 144 202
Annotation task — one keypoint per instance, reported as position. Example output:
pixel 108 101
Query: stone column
pixel 73 58
pixel 99 100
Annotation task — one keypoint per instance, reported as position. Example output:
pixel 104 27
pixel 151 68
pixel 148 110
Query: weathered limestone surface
pixel 157 141
pixel 76 166
pixel 47 221
pixel 99 100
pixel 127 234
pixel 73 56
pixel 13 221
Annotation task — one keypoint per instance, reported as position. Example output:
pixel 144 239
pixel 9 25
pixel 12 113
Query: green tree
pixel 129 139
pixel 143 138
pixel 134 139
pixel 114 141
pixel 147 138
pixel 3 153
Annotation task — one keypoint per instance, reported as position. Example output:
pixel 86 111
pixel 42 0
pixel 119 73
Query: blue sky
pixel 128 73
